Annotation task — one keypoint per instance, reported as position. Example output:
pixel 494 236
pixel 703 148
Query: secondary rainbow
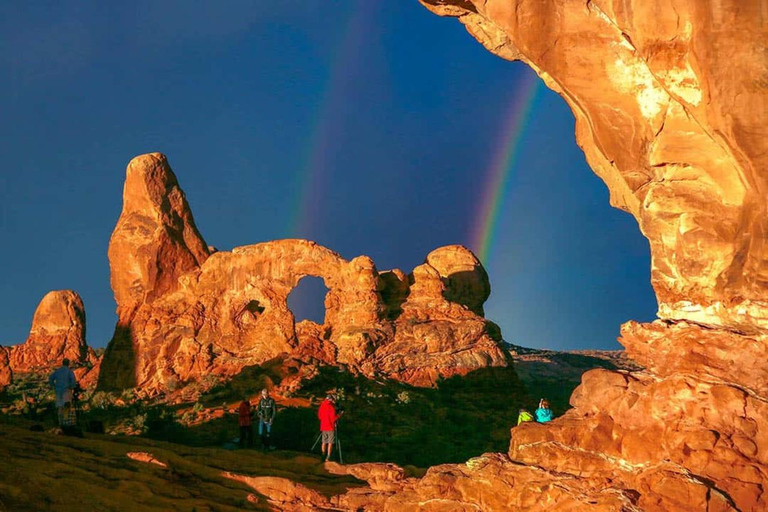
pixel 327 122
pixel 503 162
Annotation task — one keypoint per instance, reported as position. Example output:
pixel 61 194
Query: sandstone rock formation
pixel 185 312
pixel 490 482
pixel 58 332
pixel 670 104
pixel 670 100
pixel 156 239
pixel 6 374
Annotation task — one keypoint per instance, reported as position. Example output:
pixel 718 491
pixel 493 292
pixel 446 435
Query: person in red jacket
pixel 328 418
pixel 244 420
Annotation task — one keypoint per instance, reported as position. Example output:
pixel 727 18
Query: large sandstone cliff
pixel 185 314
pixel 670 103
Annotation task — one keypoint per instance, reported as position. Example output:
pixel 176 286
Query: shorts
pixel 63 397
pixel 329 436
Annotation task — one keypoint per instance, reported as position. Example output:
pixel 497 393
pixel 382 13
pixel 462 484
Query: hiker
pixel 524 416
pixel 266 411
pixel 328 418
pixel 244 420
pixel 543 413
pixel 63 381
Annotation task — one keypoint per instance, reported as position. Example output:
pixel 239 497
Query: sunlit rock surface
pixel 185 313
pixel 6 374
pixel 670 104
pixel 57 332
pixel 671 101
pixel 155 240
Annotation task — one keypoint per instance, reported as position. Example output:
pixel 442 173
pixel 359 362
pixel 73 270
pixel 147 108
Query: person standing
pixel 543 413
pixel 266 411
pixel 328 418
pixel 244 420
pixel 63 382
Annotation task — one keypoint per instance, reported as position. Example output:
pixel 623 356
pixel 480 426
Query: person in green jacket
pixel 524 416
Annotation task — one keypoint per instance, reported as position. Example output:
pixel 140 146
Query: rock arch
pixel 186 311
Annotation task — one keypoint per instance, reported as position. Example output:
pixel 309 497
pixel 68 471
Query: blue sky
pixel 393 112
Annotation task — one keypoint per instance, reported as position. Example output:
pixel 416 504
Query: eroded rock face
pixel 6 374
pixel 490 482
pixel 466 281
pixel 58 332
pixel 670 104
pixel 185 313
pixel 155 240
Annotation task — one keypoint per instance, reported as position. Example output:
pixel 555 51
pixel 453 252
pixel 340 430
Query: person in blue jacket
pixel 63 382
pixel 543 413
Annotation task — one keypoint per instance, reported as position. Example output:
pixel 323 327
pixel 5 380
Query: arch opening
pixel 307 300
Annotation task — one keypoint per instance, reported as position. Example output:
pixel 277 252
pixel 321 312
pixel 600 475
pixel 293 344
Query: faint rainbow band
pixel 324 125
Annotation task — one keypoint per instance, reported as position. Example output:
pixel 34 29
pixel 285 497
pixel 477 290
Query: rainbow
pixel 503 162
pixel 325 125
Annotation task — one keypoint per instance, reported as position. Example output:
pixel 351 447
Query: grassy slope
pixel 385 421
pixel 44 471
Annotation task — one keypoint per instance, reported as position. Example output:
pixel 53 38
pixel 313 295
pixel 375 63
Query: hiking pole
pixel 338 447
pixel 316 441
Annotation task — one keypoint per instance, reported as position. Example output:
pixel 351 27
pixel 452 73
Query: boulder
pixel 58 332
pixel 466 281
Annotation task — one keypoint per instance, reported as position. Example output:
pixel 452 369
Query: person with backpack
pixel 524 416
pixel 328 417
pixel 266 411
pixel 63 382
pixel 244 414
pixel 543 413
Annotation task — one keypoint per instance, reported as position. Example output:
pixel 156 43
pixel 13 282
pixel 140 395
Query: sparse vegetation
pixel 384 420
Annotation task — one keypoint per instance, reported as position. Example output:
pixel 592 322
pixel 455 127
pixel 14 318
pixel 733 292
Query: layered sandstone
pixel 155 240
pixel 185 312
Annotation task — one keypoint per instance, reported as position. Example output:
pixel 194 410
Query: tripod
pixel 337 443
